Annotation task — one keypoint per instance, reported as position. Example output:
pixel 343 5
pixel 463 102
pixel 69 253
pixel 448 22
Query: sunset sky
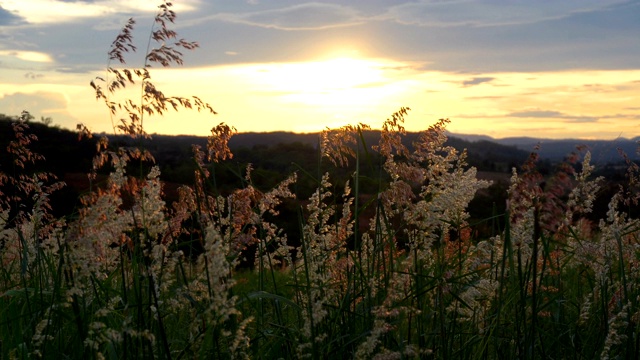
pixel 543 68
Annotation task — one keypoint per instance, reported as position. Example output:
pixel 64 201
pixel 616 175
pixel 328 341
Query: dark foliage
pixel 273 156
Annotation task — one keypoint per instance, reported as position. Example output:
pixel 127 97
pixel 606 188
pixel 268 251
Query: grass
pixel 128 276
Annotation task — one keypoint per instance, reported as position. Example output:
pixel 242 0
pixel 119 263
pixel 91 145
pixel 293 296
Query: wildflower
pixel 475 301
pixel 148 210
pixel 218 142
pixel 583 194
pixel 368 347
pixel 617 323
pixel 323 260
pixel 338 145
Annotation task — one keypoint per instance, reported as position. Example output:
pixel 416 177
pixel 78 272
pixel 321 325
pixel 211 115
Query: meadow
pixel 398 274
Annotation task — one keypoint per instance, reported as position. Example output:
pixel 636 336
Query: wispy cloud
pixel 552 114
pixel 56 11
pixel 488 97
pixel 31 56
pixel 8 18
pixel 33 76
pixel 308 16
pixel 489 12
pixel 477 81
pixel 536 114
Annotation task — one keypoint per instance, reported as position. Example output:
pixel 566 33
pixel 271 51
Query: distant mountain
pixel 272 138
pixel 602 151
pixel 484 152
pixel 277 154
pixel 470 137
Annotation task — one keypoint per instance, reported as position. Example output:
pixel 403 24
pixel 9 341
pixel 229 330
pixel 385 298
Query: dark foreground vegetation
pixel 273 156
pixel 359 244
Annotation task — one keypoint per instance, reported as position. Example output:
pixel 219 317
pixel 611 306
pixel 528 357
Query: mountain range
pixel 484 152
pixel 602 151
pixel 554 150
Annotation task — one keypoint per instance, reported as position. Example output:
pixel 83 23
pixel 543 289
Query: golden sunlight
pixel 330 82
pixel 310 96
pixel 298 96
pixel 325 75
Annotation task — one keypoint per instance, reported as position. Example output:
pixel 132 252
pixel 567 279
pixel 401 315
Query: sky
pixel 502 68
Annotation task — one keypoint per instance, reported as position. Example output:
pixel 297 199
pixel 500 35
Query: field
pixel 398 274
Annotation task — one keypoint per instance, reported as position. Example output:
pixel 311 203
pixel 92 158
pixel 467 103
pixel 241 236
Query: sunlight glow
pixel 310 96
pixel 339 82
pixel 324 76
pixel 301 96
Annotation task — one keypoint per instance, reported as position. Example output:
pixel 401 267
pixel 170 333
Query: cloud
pixel 488 97
pixel 552 114
pixel 32 56
pixel 40 103
pixel 59 11
pixel 31 75
pixel 477 81
pixel 8 18
pixel 79 1
pixel 536 114
pixel 489 12
pixel 308 16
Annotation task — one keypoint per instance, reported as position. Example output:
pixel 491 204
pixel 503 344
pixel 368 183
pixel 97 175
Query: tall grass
pixel 130 276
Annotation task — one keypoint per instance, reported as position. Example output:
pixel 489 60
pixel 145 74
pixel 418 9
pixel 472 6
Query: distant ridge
pixel 249 139
pixel 602 151
pixel 482 149
pixel 471 137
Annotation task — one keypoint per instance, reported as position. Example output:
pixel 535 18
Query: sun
pixel 328 75
pixel 330 82
pixel 304 96
pixel 330 91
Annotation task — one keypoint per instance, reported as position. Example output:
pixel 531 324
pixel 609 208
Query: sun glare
pixel 332 82
pixel 300 96
pixel 342 90
pixel 325 76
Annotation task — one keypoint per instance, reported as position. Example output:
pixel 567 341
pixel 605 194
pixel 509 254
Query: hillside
pixel 65 154
pixel 275 155
pixel 602 151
